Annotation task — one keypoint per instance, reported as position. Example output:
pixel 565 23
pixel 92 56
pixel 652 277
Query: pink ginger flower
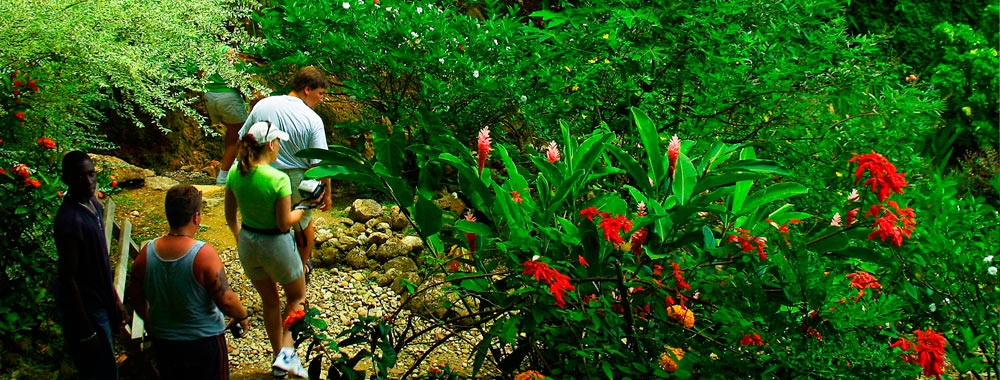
pixel 673 152
pixel 552 154
pixel 854 196
pixel 836 220
pixel 484 146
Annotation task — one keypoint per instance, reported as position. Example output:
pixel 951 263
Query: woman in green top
pixel 267 250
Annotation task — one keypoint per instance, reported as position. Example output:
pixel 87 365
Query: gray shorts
pixel 295 176
pixel 225 107
pixel 269 256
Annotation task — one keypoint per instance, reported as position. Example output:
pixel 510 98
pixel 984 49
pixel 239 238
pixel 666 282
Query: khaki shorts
pixel 225 107
pixel 269 256
pixel 295 176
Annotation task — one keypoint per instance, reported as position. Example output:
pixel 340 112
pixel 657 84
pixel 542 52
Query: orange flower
pixel 530 375
pixel 46 143
pixel 294 317
pixel 682 315
pixel 33 182
pixel 668 357
pixel 516 197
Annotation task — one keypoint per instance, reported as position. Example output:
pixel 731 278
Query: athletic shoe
pixel 278 374
pixel 287 361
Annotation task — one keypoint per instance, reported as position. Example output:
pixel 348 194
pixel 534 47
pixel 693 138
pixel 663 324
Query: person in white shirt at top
pixel 294 115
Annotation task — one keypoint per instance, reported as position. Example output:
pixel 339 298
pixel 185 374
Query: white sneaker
pixel 287 361
pixel 278 374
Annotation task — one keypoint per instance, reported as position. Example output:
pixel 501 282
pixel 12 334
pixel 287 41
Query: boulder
pixel 371 223
pixel 390 249
pixel 322 235
pixel 415 243
pixel 121 170
pixel 383 227
pixel 402 264
pixel 377 238
pixel 356 258
pixel 160 183
pixel 357 229
pixel 328 257
pixel 346 243
pixel 387 277
pixel 396 219
pixel 363 210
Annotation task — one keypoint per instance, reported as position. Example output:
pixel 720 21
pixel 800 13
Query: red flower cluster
pixel 886 224
pixel 749 243
pixel 884 179
pixel 46 143
pixel 21 170
pixel 613 226
pixel 26 83
pixel 783 229
pixel 929 352
pixel 516 197
pixel 751 340
pixel 862 280
pixel 294 317
pixel 558 282
pixel 679 278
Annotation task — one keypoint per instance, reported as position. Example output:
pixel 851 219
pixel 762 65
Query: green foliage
pixel 624 303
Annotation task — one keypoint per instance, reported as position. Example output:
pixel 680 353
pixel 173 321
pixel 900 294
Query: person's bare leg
pixel 271 303
pixel 230 141
pixel 305 240
pixel 295 294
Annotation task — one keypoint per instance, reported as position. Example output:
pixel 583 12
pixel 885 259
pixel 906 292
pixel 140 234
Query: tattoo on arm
pixel 221 286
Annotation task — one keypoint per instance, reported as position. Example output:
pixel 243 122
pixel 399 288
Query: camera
pixel 311 189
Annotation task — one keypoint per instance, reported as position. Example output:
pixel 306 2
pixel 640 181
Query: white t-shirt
pixel 293 116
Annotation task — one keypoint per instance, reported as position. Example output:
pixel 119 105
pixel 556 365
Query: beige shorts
pixel 225 107
pixel 269 256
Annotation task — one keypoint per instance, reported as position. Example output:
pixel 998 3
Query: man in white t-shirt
pixel 293 114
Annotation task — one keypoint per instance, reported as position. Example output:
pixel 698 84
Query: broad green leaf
pixel 742 187
pixel 772 193
pixel 589 151
pixel 715 180
pixel 651 142
pixel 389 148
pixel 754 165
pixel 428 216
pixel 473 227
pixel 685 178
pixel 632 167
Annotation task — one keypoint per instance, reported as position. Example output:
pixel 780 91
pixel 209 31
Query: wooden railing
pixel 127 251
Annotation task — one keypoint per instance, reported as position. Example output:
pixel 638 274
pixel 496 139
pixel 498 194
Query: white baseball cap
pixel 264 132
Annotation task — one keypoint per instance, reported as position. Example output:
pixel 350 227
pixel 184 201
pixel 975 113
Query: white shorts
pixel 269 256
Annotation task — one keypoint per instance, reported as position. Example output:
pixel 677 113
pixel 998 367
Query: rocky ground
pixel 341 292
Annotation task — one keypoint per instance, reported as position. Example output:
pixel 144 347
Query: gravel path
pixel 341 294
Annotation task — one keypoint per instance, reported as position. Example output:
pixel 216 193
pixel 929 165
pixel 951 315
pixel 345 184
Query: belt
pixel 259 231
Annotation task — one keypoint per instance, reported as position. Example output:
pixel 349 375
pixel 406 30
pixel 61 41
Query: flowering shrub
pixel 571 243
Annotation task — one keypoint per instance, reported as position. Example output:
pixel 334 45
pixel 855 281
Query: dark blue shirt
pixel 75 225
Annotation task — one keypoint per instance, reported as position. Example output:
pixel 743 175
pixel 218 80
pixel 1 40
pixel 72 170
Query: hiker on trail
pixel 225 106
pixel 86 300
pixel 263 195
pixel 294 115
pixel 179 288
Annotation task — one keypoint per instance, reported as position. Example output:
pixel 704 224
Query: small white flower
pixel 988 259
pixel 947 300
pixel 414 34
pixel 388 9
pixel 495 42
pixel 431 28
pixel 933 307
pixel 524 98
pixel 441 60
pixel 475 73
pixel 535 258
pixel 454 195
pixel 420 10
pixel 346 5
pixel 992 271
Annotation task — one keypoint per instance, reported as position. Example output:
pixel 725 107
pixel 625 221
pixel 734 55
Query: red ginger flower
pixel 484 145
pixel 886 226
pixel 33 182
pixel 673 152
pixel 558 282
pixel 751 340
pixel 749 243
pixel 884 178
pixel 294 317
pixel 552 154
pixel 851 215
pixel 583 261
pixel 639 236
pixel 46 142
pixel 470 237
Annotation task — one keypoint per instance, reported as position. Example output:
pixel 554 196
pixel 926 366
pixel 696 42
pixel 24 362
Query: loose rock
pixel 363 210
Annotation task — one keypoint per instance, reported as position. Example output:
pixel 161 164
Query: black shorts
pixel 205 358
